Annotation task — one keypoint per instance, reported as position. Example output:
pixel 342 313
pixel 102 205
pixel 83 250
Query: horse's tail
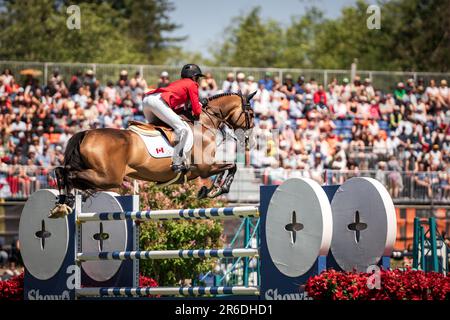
pixel 72 155
pixel 72 162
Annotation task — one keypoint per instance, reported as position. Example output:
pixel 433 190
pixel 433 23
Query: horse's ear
pixel 251 95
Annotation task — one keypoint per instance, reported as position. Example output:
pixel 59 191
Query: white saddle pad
pixel 159 146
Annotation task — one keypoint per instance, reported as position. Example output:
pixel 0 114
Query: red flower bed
pixel 12 289
pixel 393 285
pixel 147 282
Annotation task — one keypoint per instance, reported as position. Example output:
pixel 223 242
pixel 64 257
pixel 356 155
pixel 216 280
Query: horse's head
pixel 243 117
pixel 233 109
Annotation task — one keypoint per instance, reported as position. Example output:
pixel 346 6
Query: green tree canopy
pixel 414 35
pixel 111 32
pixel 251 42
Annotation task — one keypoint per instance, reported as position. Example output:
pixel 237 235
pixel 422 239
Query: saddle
pixel 152 130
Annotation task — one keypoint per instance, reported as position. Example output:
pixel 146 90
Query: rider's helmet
pixel 191 71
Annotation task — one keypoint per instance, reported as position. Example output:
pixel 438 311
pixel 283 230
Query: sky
pixel 204 21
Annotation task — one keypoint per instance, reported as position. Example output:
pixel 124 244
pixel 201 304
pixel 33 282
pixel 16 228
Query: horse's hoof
pixel 202 193
pixel 213 193
pixel 60 211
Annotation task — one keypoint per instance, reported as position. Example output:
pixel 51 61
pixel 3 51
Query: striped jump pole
pixel 165 291
pixel 209 213
pixel 167 254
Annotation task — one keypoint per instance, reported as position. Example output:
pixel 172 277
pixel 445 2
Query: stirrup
pixel 179 168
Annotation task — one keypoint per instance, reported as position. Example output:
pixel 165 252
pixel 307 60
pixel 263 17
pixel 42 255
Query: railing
pixel 403 186
pixel 19 182
pixel 384 80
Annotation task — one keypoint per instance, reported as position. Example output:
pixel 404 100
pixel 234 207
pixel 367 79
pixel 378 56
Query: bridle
pixel 246 110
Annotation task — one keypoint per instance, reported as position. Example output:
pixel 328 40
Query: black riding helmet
pixel 191 71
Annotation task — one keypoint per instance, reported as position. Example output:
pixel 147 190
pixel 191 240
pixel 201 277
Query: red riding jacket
pixel 178 92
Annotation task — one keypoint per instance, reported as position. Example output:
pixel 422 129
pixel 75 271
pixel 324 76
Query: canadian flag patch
pixel 159 150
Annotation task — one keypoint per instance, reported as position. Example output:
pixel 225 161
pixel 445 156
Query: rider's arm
pixel 193 96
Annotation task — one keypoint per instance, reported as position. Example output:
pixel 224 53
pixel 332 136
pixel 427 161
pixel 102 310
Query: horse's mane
pixel 225 94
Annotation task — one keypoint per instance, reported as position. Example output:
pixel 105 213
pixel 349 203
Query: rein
pixel 245 105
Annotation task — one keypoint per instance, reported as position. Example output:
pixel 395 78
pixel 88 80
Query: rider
pixel 164 103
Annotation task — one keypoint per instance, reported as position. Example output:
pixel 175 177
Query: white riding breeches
pixel 155 107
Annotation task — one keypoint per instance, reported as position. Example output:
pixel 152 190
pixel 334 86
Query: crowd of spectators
pixel 301 124
pixel 10 259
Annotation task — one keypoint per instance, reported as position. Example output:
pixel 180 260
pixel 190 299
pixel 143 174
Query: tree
pixel 251 42
pixel 37 31
pixel 419 34
pixel 414 35
pixel 148 24
pixel 340 41
pixel 119 31
pixel 300 39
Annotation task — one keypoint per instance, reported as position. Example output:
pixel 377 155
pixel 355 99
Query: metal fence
pixel 18 182
pixel 408 187
pixel 383 80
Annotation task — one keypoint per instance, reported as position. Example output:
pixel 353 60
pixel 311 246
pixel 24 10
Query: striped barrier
pixel 166 291
pixel 209 213
pixel 303 229
pixel 161 215
pixel 167 254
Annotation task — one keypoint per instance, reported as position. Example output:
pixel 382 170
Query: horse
pixel 100 159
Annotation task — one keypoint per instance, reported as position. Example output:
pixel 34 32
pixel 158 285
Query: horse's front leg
pixel 229 179
pixel 216 188
pixel 222 186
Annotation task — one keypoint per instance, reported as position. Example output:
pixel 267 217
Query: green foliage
pixel 111 32
pixel 251 42
pixel 414 35
pixel 300 39
pixel 173 235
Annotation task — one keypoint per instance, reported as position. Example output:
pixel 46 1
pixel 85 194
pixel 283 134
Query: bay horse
pixel 99 159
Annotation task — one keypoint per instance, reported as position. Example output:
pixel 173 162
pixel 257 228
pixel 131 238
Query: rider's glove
pixel 203 102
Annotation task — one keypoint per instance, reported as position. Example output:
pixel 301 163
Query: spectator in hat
pixel 368 88
pixel 299 85
pixel 308 105
pixel 229 85
pixel 432 93
pixel 241 84
pixel 444 94
pixel 346 90
pixel 400 93
pixel 123 76
pixel 163 80
pixel 288 88
pixel 267 81
pixel 56 82
pixel 90 81
pixel 410 85
pixel 261 100
pixel 252 86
